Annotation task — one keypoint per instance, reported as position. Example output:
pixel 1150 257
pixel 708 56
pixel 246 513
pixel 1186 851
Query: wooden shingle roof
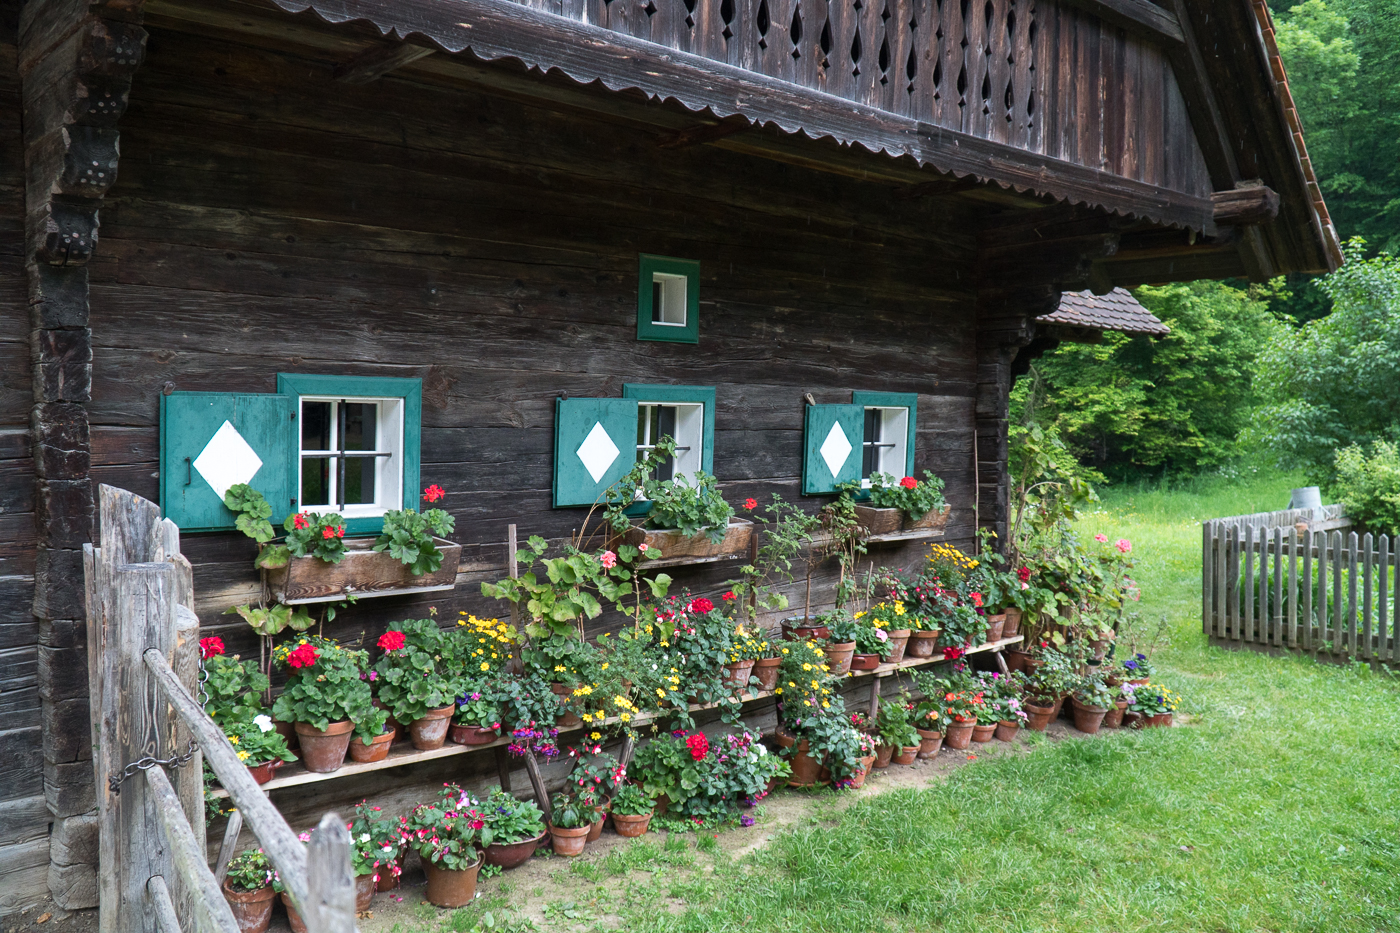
pixel 1118 310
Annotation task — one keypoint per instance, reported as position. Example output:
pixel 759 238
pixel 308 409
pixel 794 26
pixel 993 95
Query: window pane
pixel 359 480
pixel 316 425
pixel 665 427
pixel 360 431
pixel 315 481
pixel 870 462
pixel 657 307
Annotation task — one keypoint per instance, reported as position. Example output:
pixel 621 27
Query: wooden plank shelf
pixel 687 561
pixel 897 537
pixel 294 774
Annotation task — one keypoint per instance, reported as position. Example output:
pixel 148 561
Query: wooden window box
pixel 362 572
pixel 677 548
pixel 891 521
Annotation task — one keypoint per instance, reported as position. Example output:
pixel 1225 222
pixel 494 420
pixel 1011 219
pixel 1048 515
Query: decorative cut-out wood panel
pixel 1035 74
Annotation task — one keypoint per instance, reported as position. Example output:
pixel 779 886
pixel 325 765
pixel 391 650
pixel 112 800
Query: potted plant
pixel 327 699
pixel 1155 703
pixel 569 824
pixel 233 688
pixel 906 503
pixel 689 518
pixel 766 667
pixel 891 618
pixel 751 646
pixel 744 651
pixel 896 730
pixel 1092 700
pixel 1010 718
pixel 511 829
pixel 873 643
pixel 631 811
pixel 380 839
pixel 259 746
pixel 477 718
pixel 419 678
pixel 868 749
pixel 1138 670
pixel 840 647
pixel 960 706
pixel 445 834
pixel 988 715
pixel 248 890
pixel 1114 717
pixel 929 718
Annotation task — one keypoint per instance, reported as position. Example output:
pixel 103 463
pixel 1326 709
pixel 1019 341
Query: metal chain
pixel 203 681
pixel 114 783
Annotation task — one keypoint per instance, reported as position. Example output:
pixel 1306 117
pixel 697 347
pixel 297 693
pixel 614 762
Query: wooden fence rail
pixel 143 657
pixel 1301 580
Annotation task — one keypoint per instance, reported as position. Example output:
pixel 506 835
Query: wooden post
pixel 1383 601
pixel 1275 619
pixel 1368 596
pixel 1232 580
pixel 1309 540
pixel 629 745
pixel 512 568
pixel 208 910
pixel 330 903
pixel 1353 549
pixel 532 768
pixel 1337 565
pixel 230 843
pixel 503 767
pixel 1220 620
pixel 1247 587
pixel 1207 580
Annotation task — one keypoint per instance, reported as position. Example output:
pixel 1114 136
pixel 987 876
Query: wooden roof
pixel 1118 310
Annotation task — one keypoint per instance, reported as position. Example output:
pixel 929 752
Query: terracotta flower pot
pixel 377 750
pixel 805 632
pixel 959 733
pixel 983 731
pixel 1016 660
pixel 806 770
pixel 922 643
pixel 293 918
pixel 252 909
pixel 472 735
pixel 569 842
pixel 448 887
pixel 838 657
pixel 1059 705
pixel 1088 718
pixel 736 675
pixel 883 754
pixel 430 732
pixel 1157 720
pixel 567 719
pixel 899 640
pixel 288 732
pixel 766 670
pixel 324 751
pixel 864 662
pixel 630 827
pixel 908 754
pixel 390 723
pixel 1132 720
pixel 1012 626
pixel 929 743
pixel 263 773
pixel 1114 719
pixel 512 854
pixel 994 627
pixel 1006 731
pixel 389 878
pixel 364 892
pixel 1038 717
pixel 595 829
pixel 861 773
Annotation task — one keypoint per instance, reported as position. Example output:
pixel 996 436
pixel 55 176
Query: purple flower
pixel 746 820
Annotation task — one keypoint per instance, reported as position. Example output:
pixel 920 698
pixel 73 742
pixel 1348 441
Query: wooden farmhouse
pixel 500 246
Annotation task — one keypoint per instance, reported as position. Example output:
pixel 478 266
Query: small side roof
pixel 1118 310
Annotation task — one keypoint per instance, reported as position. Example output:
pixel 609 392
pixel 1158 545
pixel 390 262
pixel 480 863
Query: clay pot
pixel 568 719
pixel 663 803
pixel 1012 627
pixel 864 662
pixel 1006 731
pixel 288 732
pixel 959 733
pixel 1156 719
pixel 994 624
pixel 838 657
pixel 908 754
pixel 390 723
pixel 766 670
pixel 324 751
pixel 806 770
pixel 899 640
pixel 449 887
pixel 883 754
pixel 736 675
pixel 1088 718
pixel 511 854
pixel 922 643
pixel 1059 705
pixel 805 632
pixel 1114 719
pixel 1038 717
pixel 364 892
pixel 630 827
pixel 388 878
pixel 929 744
pixel 293 918
pixel 983 731
pixel 858 776
pixel 430 732
pixel 569 842
pixel 595 829
pixel 377 750
pixel 1131 720
pixel 252 909
pixel 472 735
pixel 1015 659
pixel 263 773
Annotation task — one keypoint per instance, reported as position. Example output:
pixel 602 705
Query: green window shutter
pixel 595 444
pixel 212 440
pixel 665 278
pixel 909 400
pixel 832 447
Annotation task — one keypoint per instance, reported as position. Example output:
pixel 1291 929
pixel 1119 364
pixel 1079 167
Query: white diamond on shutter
pixel 597 452
pixel 227 460
pixel 835 449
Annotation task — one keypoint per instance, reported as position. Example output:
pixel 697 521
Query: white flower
pixel 264 722
pixel 364 837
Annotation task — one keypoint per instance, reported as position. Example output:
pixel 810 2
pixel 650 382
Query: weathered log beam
pixel 703 133
pixel 1246 206
pixel 377 61
pixel 938 189
pixel 1138 16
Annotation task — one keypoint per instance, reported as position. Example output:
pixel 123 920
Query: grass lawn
pixel 1276 809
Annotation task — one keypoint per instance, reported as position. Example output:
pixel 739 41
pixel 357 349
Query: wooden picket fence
pixel 143 661
pixel 1301 580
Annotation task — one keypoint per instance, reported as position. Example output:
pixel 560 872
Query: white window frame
pixel 388 454
pixel 674 295
pixel 689 436
pixel 893 441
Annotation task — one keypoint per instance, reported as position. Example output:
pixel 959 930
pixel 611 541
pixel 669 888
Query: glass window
pixel 351 455
pixel 685 423
pixel 886 440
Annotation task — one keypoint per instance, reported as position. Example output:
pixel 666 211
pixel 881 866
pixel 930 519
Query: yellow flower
pixel 243 756
pixel 625 717
pixel 605 665
pixel 595 735
pixel 233 739
pixel 660 692
pixel 826 705
pixel 485 666
pixel 558 668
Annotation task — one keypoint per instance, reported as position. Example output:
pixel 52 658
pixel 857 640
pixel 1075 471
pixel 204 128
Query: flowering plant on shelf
pixel 704 778
pixel 871 637
pixel 693 507
pixel 1137 667
pixel 234 688
pixel 408 534
pixel 257 741
pixel 376 842
pixel 895 722
pixel 250 870
pixel 914 497
pixel 316 535
pixel 477 706
pixel 446 832
pixel 490 643
pixel 325 685
pixel 419 669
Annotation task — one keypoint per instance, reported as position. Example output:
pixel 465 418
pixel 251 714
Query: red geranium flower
pixel 433 493
pixel 909 482
pixel 1024 574
pixel 300 520
pixel 701 605
pixel 211 646
pixel 728 596
pixel 976 598
pixel 699 746
pixel 750 504
pixel 391 641
pixel 303 656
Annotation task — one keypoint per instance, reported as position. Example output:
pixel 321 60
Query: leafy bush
pixel 694 508
pixel 914 497
pixel 1369 487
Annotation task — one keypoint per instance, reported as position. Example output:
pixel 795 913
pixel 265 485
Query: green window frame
pixel 659 278
pixel 296 386
pixel 888 400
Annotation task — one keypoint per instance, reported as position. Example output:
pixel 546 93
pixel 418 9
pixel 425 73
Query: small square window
pixel 885 447
pixel 668 299
pixel 685 424
pixel 350 455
